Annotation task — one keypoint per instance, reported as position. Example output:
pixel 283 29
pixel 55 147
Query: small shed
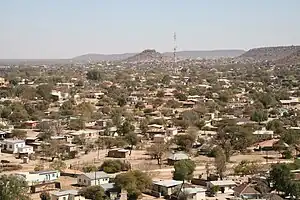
pixel 166 187
pixel 118 153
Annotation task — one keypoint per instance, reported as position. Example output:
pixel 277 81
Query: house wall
pixel 116 154
pixel 99 181
pixel 85 181
pixel 67 197
pixel 12 147
pixel 64 197
pixel 199 196
pixel 27 149
pixel 39 178
pixel 164 191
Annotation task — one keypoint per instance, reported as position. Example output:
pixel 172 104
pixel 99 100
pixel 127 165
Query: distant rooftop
pixel 167 183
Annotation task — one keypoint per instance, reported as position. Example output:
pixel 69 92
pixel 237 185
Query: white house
pixel 226 186
pixel 166 187
pixel 38 177
pixel 15 146
pixel 93 178
pixel 67 195
pixel 195 193
pixel 263 133
pixel 171 131
pixel 88 134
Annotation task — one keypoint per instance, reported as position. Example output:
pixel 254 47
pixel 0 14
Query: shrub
pixel 89 168
pixel 114 166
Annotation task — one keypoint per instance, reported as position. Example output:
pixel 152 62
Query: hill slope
pixel 280 53
pixel 147 55
pixel 207 54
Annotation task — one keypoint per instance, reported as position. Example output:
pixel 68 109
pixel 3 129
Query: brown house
pixel 246 191
pixel 118 153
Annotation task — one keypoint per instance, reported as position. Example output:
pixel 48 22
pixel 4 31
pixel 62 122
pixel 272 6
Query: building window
pixel 79 180
pixel 53 175
pixel 84 181
pixel 10 146
pixel 64 198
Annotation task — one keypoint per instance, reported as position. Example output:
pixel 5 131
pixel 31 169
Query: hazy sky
pixel 68 28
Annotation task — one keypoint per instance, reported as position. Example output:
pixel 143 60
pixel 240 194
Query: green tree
pixel 89 168
pixel 246 168
pixel 46 130
pixel 220 164
pixel 180 96
pixel 58 165
pixel 93 193
pixel 126 128
pixel 45 196
pixel 114 166
pixel 122 101
pixel 184 170
pixel 132 140
pixel 135 182
pixel 281 176
pixel 259 116
pixel 67 108
pixel 276 126
pixel 85 110
pixel 13 187
pixel 95 75
pixel 44 90
pixel 186 141
pixel 77 124
pixel 157 151
pixel 166 80
pixel 17 133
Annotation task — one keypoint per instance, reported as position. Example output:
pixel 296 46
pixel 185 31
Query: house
pixel 166 187
pixel 187 104
pixel 59 96
pixel 118 153
pixel 66 195
pixel 93 178
pixel 246 191
pixel 88 134
pixel 264 134
pixel 272 196
pixel 15 146
pixel 159 138
pixel 111 190
pixel 267 145
pixel 3 82
pixel 30 124
pixel 290 102
pixel 171 131
pixel 225 186
pixel 101 122
pixel 133 99
pixel 174 157
pixel 3 135
pixel 33 178
pixel 195 193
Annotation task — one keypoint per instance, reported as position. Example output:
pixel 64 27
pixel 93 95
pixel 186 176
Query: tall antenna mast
pixel 175 47
pixel 174 52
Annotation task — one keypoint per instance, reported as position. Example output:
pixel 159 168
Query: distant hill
pixel 207 54
pixel 293 58
pixel 180 54
pixel 103 57
pixel 280 54
pixel 147 55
